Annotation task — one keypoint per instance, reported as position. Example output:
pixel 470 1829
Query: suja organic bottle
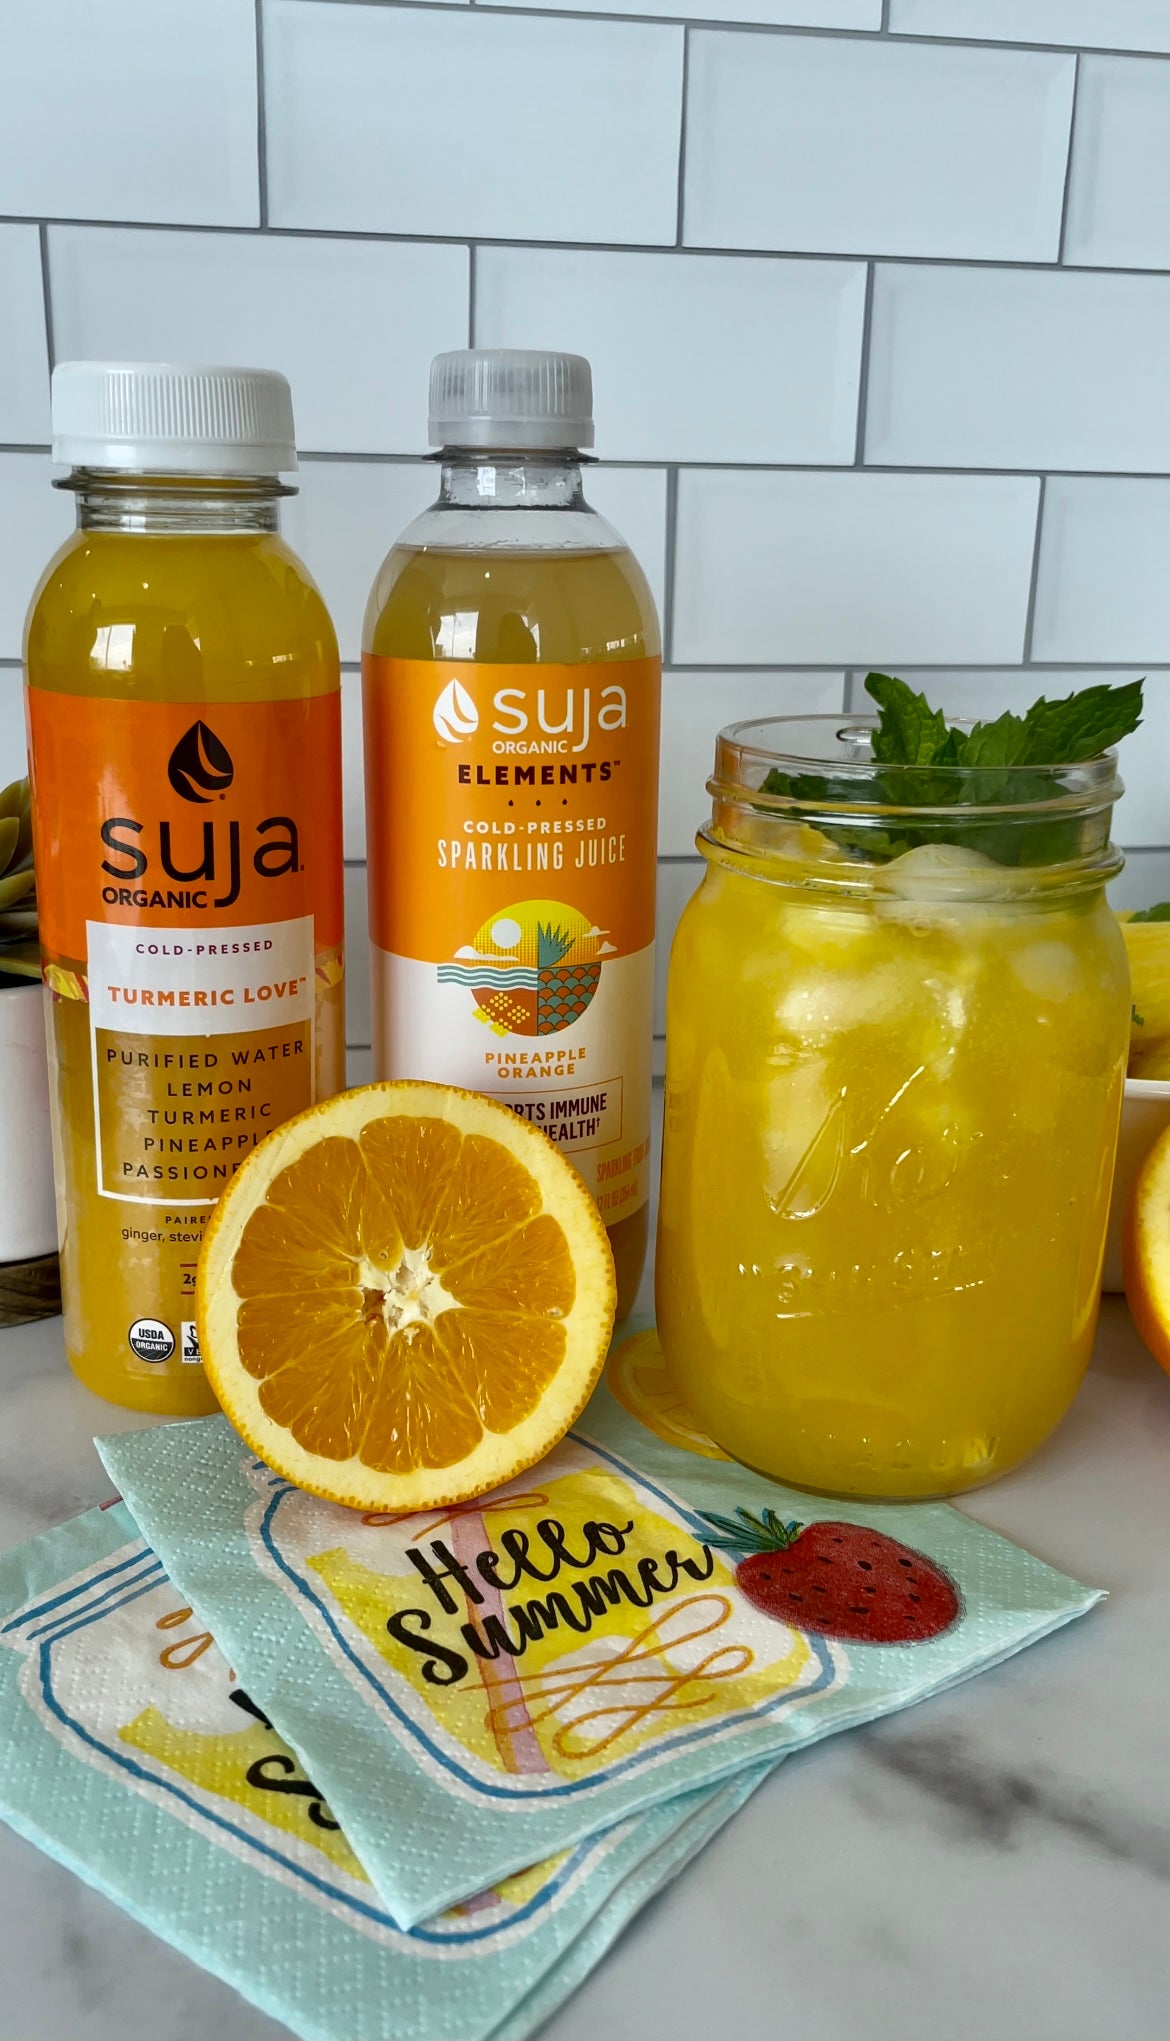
pixel 511 684
pixel 185 754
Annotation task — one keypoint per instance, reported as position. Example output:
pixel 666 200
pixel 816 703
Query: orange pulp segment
pixel 405 1297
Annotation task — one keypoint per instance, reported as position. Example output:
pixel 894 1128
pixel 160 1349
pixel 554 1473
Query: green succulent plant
pixel 20 954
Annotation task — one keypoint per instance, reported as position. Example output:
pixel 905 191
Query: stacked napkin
pixel 405 1778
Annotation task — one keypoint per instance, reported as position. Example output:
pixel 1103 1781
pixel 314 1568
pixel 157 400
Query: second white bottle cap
pixel 511 397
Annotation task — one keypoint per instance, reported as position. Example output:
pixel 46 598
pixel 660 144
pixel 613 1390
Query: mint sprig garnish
pixel 1159 913
pixel 995 759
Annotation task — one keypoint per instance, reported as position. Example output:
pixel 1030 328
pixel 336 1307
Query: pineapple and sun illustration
pixel 532 968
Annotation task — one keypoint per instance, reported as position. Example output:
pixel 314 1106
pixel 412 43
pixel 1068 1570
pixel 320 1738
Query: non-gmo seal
pixel 151 1340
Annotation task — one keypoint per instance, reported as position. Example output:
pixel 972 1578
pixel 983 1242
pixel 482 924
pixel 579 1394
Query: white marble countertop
pixel 995 1863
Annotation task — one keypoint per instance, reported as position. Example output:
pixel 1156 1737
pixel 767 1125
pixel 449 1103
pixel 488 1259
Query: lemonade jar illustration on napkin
pixel 479 1686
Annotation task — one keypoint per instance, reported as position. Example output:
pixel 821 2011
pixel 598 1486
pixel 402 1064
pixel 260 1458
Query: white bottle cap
pixel 163 418
pixel 511 397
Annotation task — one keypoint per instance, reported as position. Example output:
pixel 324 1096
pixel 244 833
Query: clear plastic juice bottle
pixel 511 682
pixel 184 738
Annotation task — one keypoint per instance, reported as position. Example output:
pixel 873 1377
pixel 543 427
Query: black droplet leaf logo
pixel 200 766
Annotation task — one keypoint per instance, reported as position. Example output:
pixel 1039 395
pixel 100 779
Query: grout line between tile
pixel 863 367
pixel 261 118
pixel 47 300
pixel 1068 168
pixel 472 279
pixel 668 570
pixel 781 28
pixel 423 458
pixel 905 666
pixel 884 24
pixel 1034 577
pixel 387 238
pixel 771 467
pixel 681 198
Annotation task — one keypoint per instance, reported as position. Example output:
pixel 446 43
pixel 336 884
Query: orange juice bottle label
pixel 195 905
pixel 512 815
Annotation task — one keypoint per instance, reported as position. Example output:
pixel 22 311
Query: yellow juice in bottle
pixel 511 680
pixel 185 755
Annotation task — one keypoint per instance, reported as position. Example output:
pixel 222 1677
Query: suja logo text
pixel 566 719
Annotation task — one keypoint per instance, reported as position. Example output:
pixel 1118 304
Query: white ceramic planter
pixel 28 1215
pixel 1143 1116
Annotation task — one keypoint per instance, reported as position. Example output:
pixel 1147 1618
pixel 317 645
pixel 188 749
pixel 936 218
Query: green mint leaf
pixel 954 750
pixel 1081 725
pixel 922 745
pixel 1137 1018
pixel 909 731
pixel 813 789
pixel 1002 743
pixel 1159 913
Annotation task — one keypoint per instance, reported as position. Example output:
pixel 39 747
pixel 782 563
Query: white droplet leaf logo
pixel 455 714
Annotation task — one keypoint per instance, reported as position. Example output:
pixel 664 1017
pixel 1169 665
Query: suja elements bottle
pixel 511 683
pixel 185 756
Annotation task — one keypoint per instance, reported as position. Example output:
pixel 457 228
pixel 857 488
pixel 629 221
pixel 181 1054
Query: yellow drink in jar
pixel 891 1110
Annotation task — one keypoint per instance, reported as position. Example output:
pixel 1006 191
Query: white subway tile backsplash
pixel 130 110
pixel 359 1067
pixel 1143 816
pixel 1119 192
pixel 676 340
pixel 633 501
pixel 343 522
pixel 1108 24
pixel 855 14
pixel 24 357
pixel 1017 368
pixel 806 156
pixel 695 707
pixel 357 958
pixel 353 324
pixel 872 146
pixel 1103 592
pixel 570 128
pixel 836 568
pixel 1144 882
pixel 353 790
pixel 34 520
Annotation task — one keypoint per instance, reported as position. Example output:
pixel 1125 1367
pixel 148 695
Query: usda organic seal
pixel 151 1340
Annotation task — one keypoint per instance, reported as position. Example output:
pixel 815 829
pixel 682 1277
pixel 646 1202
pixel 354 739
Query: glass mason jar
pixel 896 1046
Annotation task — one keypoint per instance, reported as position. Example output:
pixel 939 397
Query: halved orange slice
pixel 1146 1250
pixel 405 1297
